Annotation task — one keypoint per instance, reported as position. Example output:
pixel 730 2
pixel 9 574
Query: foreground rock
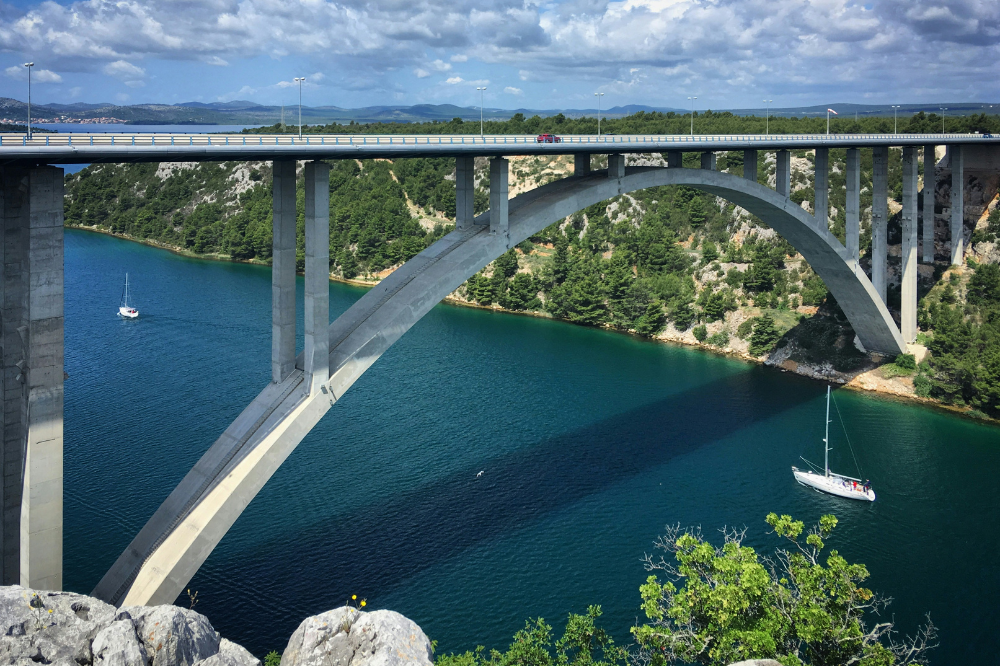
pixel 349 637
pixel 66 629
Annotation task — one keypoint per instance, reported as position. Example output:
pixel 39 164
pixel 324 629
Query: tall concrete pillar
pixel 317 282
pixel 283 272
pixel 908 306
pixel 957 204
pixel 750 165
pixel 783 172
pixel 708 161
pixel 616 166
pixel 465 192
pixel 31 320
pixel 822 188
pixel 852 210
pixel 499 171
pixel 675 159
pixel 930 186
pixel 581 164
pixel 880 217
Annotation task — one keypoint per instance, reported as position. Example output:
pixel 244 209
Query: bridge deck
pixel 81 148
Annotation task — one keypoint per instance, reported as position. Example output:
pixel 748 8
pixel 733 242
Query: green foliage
pixel 700 333
pixel 764 336
pixel 272 658
pixel 906 362
pixel 582 644
pixel 726 604
pixel 720 339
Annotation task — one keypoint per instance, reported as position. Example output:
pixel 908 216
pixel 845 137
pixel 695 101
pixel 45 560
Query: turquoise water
pixel 590 443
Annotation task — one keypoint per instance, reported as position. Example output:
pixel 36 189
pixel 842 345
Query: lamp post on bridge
pixel 767 115
pixel 300 79
pixel 598 95
pixel 692 99
pixel 943 109
pixel 482 96
pixel 828 112
pixel 29 65
pixel 895 125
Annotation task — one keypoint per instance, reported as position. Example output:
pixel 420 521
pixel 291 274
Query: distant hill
pixel 242 112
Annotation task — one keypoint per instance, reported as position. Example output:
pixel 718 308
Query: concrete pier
pixel 750 165
pixel 465 192
pixel 283 272
pixel 880 217
pixel 821 208
pixel 708 161
pixel 930 185
pixel 317 282
pixel 908 304
pixel 675 159
pixel 31 321
pixel 581 164
pixel 957 160
pixel 616 166
pixel 852 209
pixel 783 172
pixel 499 192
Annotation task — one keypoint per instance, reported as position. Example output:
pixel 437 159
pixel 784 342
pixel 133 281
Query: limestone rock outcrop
pixel 349 637
pixel 66 629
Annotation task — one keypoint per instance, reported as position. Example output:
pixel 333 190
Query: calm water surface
pixel 589 442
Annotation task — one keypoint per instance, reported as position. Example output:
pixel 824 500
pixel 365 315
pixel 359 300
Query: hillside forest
pixel 666 262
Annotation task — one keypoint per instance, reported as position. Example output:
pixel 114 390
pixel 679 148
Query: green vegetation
pixel 272 658
pixel 726 604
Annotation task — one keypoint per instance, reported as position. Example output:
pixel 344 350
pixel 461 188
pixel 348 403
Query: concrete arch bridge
pixel 182 533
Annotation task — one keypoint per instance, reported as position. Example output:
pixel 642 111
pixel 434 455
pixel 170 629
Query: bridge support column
pixel 465 192
pixel 957 204
pixel 675 159
pixel 750 165
pixel 499 171
pixel 908 304
pixel 852 210
pixel 708 161
pixel 616 166
pixel 283 271
pixel 821 198
pixel 581 164
pixel 880 217
pixel 317 282
pixel 930 186
pixel 783 173
pixel 31 321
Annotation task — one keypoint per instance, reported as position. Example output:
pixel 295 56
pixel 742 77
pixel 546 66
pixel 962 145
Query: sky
pixel 353 53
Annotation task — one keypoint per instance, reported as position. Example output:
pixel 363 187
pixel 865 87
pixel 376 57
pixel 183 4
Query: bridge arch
pixel 160 561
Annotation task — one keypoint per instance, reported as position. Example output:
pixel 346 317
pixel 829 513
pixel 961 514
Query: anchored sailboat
pixel 124 309
pixel 829 482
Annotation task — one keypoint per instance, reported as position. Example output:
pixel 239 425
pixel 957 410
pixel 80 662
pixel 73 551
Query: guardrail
pixel 153 140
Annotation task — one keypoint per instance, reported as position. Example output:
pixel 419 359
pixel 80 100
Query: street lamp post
pixel 482 96
pixel 943 109
pixel 895 125
pixel 767 115
pixel 692 99
pixel 300 79
pixel 29 65
pixel 598 95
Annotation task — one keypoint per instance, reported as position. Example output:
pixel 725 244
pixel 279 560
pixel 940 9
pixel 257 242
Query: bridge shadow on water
pixel 379 546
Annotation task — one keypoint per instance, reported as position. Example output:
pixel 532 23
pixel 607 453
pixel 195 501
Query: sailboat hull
pixel 841 486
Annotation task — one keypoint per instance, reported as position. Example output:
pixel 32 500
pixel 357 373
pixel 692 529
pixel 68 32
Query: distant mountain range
pixel 239 112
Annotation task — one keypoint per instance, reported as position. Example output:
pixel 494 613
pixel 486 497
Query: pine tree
pixel 765 335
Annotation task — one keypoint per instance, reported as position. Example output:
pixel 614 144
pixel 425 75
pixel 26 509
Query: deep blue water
pixel 590 443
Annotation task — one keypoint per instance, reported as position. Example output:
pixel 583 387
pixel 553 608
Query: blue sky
pixel 536 55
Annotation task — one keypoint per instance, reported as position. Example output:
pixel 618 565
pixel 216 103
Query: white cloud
pixel 440 65
pixel 453 80
pixel 124 70
pixel 20 72
pixel 421 73
pixel 511 90
pixel 459 58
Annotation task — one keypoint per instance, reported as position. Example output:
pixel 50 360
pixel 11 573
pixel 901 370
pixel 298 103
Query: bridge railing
pixel 204 140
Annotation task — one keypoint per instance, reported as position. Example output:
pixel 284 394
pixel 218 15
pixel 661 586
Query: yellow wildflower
pixel 364 603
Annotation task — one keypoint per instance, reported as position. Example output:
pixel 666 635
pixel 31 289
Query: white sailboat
pixel 829 482
pixel 124 309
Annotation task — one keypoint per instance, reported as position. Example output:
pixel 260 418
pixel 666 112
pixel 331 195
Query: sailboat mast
pixel 826 439
pixel 126 305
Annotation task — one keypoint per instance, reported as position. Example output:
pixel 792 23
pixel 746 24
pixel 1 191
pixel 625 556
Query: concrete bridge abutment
pixel 908 286
pixel 821 181
pixel 852 210
pixel 750 165
pixel 930 185
pixel 957 161
pixel 880 217
pixel 783 172
pixel 31 330
pixel 283 271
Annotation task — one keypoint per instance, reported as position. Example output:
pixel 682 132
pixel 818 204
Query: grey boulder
pixel 349 637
